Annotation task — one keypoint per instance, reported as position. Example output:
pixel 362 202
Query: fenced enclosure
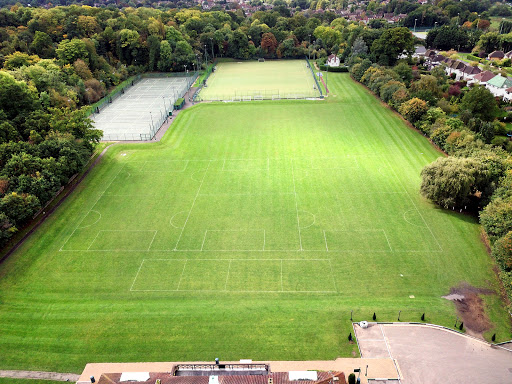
pixel 254 80
pixel 137 111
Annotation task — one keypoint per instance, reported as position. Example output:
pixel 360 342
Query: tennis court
pixel 254 80
pixel 140 111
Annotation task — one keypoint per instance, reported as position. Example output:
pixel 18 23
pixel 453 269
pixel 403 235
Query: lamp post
pixel 435 24
pixel 205 56
pixel 415 20
pixel 213 53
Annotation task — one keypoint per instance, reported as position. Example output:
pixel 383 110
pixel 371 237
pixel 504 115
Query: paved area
pixel 140 111
pixel 57 376
pixel 377 368
pixel 427 354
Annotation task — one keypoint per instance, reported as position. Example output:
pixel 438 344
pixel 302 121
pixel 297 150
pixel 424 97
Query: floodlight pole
pixel 205 56
pixel 213 53
pixel 309 48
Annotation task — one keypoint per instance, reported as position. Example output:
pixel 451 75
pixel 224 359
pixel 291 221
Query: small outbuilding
pixel 333 61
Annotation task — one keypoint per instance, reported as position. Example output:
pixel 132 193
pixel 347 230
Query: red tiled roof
pixel 485 76
pixel 277 378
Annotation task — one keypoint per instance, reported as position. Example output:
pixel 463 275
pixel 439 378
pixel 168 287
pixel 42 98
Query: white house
pixel 333 61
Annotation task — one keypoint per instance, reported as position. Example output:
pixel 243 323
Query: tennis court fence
pixel 130 82
pixel 262 94
pixel 156 118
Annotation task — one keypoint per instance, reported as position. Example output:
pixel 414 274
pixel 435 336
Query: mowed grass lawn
pixel 250 231
pixel 283 78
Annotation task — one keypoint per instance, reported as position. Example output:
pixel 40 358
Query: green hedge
pixel 333 69
pixel 473 58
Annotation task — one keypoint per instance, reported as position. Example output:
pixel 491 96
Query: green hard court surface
pixel 239 236
pixel 239 80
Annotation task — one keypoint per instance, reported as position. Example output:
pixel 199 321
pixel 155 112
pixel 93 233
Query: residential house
pixel 482 78
pixel 457 67
pixel 470 72
pixel 419 51
pixel 498 85
pixel 496 55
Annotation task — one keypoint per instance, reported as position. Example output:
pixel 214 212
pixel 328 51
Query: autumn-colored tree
pixel 269 43
pixel 414 109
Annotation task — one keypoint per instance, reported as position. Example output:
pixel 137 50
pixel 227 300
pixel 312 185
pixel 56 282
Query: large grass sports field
pixel 252 230
pixel 233 80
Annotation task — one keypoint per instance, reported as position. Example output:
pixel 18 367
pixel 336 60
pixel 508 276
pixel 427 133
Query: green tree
pixel 154 51
pixel 165 61
pixel 502 251
pixel 19 207
pixel 19 59
pixel 42 45
pixel 451 181
pixel 496 218
pixel 480 102
pixel 404 71
pixel 6 229
pixel 16 98
pixel 69 51
pixel 392 43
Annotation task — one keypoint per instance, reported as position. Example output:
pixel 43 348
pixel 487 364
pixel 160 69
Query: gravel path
pixel 57 376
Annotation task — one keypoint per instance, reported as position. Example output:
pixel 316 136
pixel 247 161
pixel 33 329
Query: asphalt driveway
pixel 426 354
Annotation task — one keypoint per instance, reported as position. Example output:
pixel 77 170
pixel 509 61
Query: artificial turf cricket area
pixel 255 80
pixel 252 230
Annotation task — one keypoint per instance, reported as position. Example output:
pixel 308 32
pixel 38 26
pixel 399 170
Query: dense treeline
pixel 468 124
pixel 41 147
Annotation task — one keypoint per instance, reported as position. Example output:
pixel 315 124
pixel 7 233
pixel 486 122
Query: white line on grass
pixel 96 202
pixel 296 206
pixel 153 239
pixel 282 275
pixel 191 208
pixel 314 219
pixel 412 201
pixel 332 275
pixel 170 221
pixel 204 239
pixel 181 276
pixel 389 244
pixel 90 225
pixel 137 275
pixel 93 240
pixel 227 276
pixel 326 247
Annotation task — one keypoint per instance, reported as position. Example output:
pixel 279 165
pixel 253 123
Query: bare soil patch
pixel 470 308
